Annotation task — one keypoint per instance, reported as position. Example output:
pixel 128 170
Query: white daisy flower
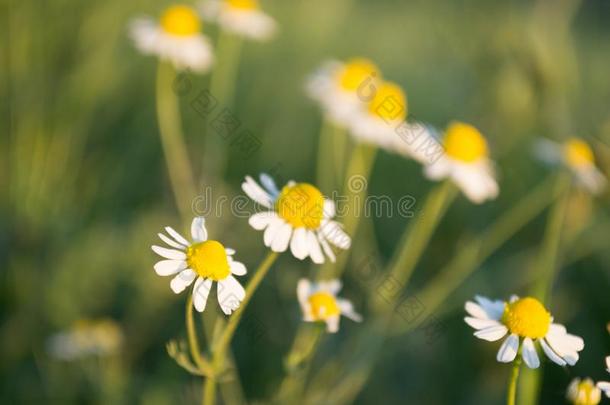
pixel 299 217
pixel 466 161
pixel 319 303
pixel 85 338
pixel 578 157
pixel 342 89
pixel 203 261
pixel 241 17
pixel 525 321
pixel 176 38
pixel 605 385
pixel 583 392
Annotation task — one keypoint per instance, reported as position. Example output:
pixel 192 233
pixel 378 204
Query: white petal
pixel 508 350
pixel 475 310
pixel 326 248
pixel 256 192
pixel 494 309
pixel 229 251
pixel 303 290
pixel 169 253
pixel 476 181
pixel 492 333
pixel 171 242
pixel 604 386
pixel 237 268
pixel 550 353
pixel 329 209
pixel 282 238
pixel 314 248
pixel 608 364
pixel 169 267
pixel 333 232
pixel 298 244
pixel 261 220
pixel 176 236
pixel 330 286
pixel 272 229
pixel 200 293
pixel 530 357
pixel 478 323
pixel 332 324
pixel 347 309
pixel 182 280
pixel 230 294
pixel 269 184
pixel 198 231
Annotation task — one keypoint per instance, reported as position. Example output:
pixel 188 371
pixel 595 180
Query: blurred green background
pixel 85 189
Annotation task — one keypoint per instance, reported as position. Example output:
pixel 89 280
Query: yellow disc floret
pixel 323 306
pixel 243 4
pixel 301 205
pixel 180 20
pixel 584 393
pixel 209 260
pixel 527 317
pixel 465 143
pixel 355 72
pixel 577 153
pixel 389 103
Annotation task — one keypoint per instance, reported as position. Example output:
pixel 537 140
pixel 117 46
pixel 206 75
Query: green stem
pixel 222 345
pixel 417 235
pixel 209 391
pixel 328 160
pixel 512 383
pixel 193 342
pixel 172 140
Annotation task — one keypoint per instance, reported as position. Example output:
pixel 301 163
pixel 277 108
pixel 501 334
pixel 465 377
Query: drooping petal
pixel 282 238
pixel 332 324
pixel 272 230
pixel 230 294
pixel 298 244
pixel 530 357
pixel 200 293
pixel 314 248
pixel 347 309
pixel 508 350
pixel 326 248
pixel 169 267
pixel 333 232
pixel 550 353
pixel 182 280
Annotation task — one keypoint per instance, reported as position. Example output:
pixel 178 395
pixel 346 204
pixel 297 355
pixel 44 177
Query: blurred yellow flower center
pixel 208 259
pixel 243 4
pixel 577 153
pixel 355 72
pixel 527 317
pixel 389 103
pixel 587 393
pixel 323 305
pixel 464 142
pixel 301 205
pixel 180 20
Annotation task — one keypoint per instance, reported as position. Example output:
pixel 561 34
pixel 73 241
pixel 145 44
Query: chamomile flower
pixel 202 261
pixel 319 303
pixel 87 337
pixel 605 385
pixel 583 392
pixel 578 157
pixel 525 321
pixel 343 89
pixel 241 17
pixel 176 38
pixel 299 216
pixel 466 161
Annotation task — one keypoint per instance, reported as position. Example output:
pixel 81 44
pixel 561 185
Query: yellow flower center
pixel 180 20
pixel 587 393
pixel 323 306
pixel 355 72
pixel 464 142
pixel 243 4
pixel 527 317
pixel 577 153
pixel 301 205
pixel 209 260
pixel 389 103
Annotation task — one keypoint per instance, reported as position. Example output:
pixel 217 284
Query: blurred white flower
pixel 87 337
pixel 343 89
pixel 319 303
pixel 466 162
pixel 299 216
pixel 241 17
pixel 605 385
pixel 577 156
pixel 205 261
pixel 525 320
pixel 176 38
pixel 583 392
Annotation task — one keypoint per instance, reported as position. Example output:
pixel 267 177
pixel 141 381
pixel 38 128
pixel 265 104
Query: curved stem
pixel 194 349
pixel 512 382
pixel 222 345
pixel 172 140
